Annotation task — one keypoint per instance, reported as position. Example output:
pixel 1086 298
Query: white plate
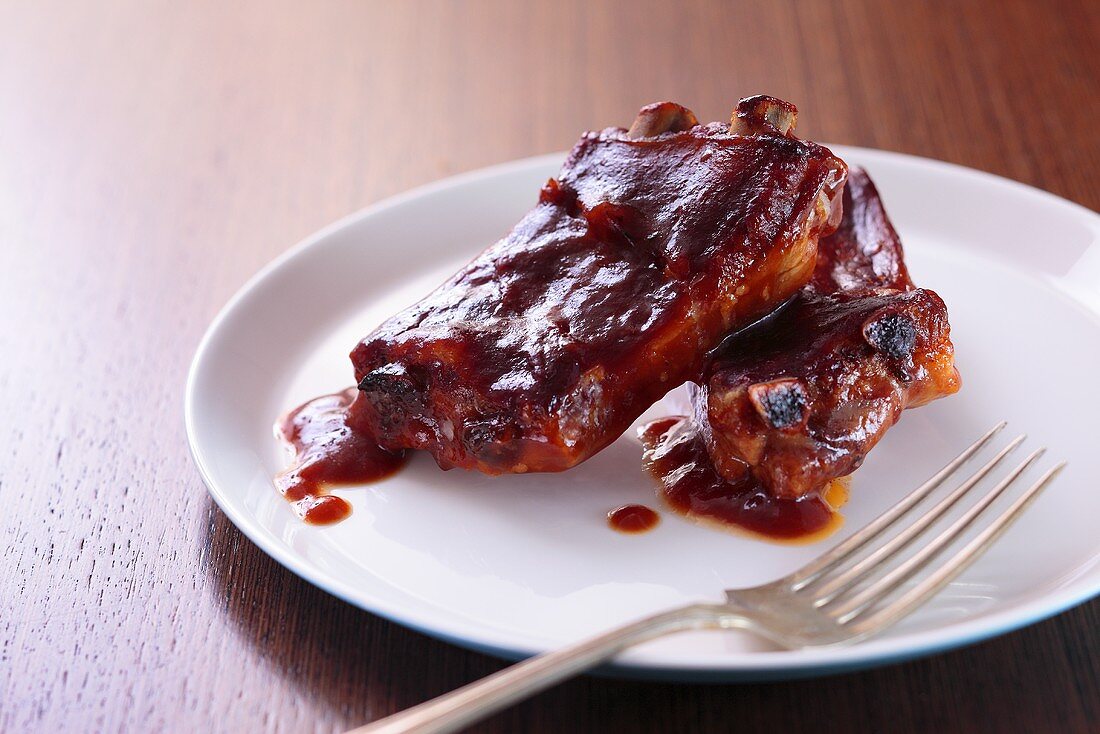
pixel 519 564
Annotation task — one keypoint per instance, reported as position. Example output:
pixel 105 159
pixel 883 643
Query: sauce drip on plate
pixel 677 457
pixel 329 450
pixel 633 519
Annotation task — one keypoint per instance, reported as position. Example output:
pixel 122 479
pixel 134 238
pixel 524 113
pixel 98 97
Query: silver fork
pixel 833 600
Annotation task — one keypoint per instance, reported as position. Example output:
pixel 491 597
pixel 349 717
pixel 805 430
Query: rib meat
pixel 803 395
pixel 647 249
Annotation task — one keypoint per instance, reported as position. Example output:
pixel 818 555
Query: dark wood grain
pixel 154 155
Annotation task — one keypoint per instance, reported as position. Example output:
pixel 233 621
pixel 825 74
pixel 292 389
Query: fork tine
pixel 834 585
pixel 815 568
pixel 959 562
pixel 850 608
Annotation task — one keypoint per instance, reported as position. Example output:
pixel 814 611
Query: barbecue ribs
pixel 649 247
pixel 803 395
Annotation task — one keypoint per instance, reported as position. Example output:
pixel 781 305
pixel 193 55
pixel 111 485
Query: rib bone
pixel 753 113
pixel 661 117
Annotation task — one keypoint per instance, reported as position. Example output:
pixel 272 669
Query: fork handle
pixel 464 706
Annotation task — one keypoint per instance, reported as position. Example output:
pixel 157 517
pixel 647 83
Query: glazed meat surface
pixel 803 395
pixel 648 248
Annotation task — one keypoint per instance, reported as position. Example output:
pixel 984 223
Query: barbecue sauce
pixel 633 519
pixel 329 450
pixel 676 456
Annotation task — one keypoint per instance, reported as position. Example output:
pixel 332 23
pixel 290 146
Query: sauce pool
pixel 329 451
pixel 633 519
pixel 676 455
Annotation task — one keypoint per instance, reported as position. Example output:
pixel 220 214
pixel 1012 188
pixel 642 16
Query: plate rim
pixel 755 666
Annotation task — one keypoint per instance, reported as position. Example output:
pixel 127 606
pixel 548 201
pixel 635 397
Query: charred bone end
pixel 894 335
pixel 782 404
pixel 661 117
pixel 756 114
pixel 391 378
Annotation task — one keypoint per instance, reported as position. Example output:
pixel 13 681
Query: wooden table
pixel 154 155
